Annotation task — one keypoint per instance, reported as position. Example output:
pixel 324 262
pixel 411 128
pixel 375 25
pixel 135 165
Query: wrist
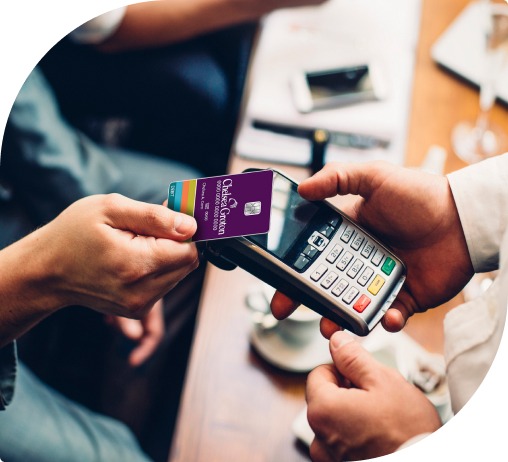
pixel 29 275
pixel 27 292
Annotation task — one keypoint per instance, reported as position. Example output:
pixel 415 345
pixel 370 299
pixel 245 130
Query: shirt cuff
pixel 98 29
pixel 481 196
pixel 8 366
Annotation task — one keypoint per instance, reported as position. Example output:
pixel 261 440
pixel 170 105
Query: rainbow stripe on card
pixel 182 196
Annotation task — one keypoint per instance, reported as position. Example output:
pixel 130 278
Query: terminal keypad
pixel 354 268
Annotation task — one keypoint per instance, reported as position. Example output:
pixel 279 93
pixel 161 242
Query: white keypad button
pixel 333 255
pixel 344 261
pixel 319 272
pixel 378 256
pixel 340 287
pixel 347 234
pixel 367 250
pixel 329 280
pixel 357 242
pixel 355 269
pixel 365 276
pixel 350 295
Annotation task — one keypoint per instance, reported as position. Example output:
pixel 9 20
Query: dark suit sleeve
pixel 8 363
pixel 48 162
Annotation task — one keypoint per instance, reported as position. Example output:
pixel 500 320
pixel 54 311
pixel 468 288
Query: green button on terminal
pixel 388 266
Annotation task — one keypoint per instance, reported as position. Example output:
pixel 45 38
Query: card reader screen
pixel 290 216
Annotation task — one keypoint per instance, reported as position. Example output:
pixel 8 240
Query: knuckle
pixel 184 257
pixel 129 273
pixel 193 257
pixel 318 415
pixel 155 217
pixel 351 357
pixel 137 305
pixel 315 451
pixel 188 258
pixel 314 417
pixel 313 374
pixel 111 201
pixel 193 264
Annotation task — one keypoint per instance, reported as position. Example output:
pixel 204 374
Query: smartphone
pixel 322 89
pixel 317 255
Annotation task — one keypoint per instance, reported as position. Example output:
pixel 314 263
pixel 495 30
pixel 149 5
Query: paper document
pixel 335 34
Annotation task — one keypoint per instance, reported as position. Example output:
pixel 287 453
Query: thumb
pixel 148 219
pixel 352 360
pixel 344 178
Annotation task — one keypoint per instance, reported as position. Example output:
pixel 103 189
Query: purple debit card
pixel 227 205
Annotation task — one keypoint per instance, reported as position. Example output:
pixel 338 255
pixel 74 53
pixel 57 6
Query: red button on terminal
pixel 362 303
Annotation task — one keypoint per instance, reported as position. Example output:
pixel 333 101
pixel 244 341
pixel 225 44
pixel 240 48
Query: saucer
pixel 289 357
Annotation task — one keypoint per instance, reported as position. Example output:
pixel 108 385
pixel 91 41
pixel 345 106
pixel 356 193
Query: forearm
pixel 26 295
pixel 163 22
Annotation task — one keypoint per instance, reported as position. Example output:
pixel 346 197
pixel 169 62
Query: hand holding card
pixel 227 205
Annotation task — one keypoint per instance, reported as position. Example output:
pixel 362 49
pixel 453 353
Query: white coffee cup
pixel 300 327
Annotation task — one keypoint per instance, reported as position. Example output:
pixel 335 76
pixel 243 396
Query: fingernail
pixel 184 223
pixel 339 339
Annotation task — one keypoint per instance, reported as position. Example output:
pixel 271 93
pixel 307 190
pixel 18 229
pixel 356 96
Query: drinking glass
pixel 476 141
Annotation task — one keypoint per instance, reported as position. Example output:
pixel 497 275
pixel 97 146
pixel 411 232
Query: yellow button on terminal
pixel 376 285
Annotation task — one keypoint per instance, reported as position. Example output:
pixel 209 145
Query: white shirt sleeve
pixel 98 29
pixel 481 195
pixel 473 330
pixel 473 333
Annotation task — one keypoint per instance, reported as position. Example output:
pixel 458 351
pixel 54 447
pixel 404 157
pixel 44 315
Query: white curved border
pixel 29 28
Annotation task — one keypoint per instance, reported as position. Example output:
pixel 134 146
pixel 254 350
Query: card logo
pixel 252 208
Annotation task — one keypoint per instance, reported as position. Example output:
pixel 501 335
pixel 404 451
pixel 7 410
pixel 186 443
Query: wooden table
pixel 235 406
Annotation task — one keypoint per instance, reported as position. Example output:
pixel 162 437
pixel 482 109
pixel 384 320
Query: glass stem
pixel 482 123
